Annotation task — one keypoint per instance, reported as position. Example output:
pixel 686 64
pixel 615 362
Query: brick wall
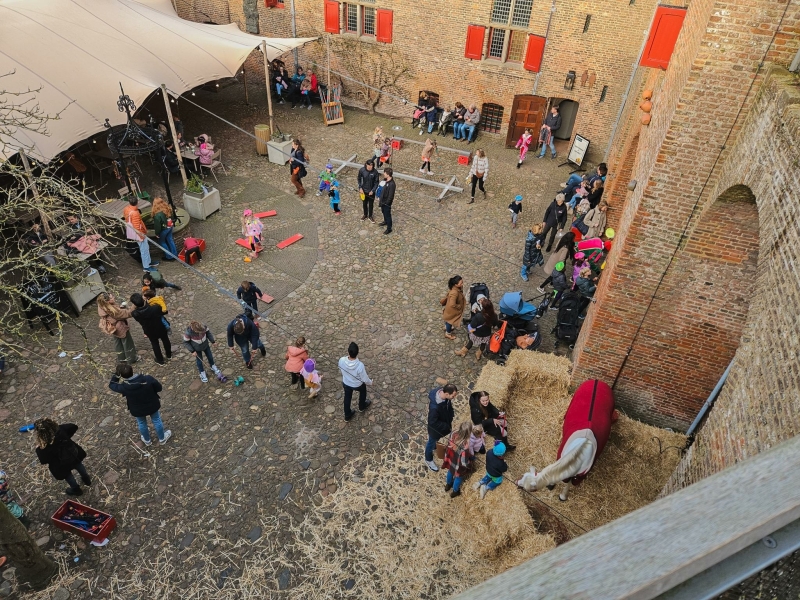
pixel 431 42
pixel 696 102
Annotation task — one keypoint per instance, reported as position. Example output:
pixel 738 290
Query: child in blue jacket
pixel 334 195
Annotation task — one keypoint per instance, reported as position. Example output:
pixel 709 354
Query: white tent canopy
pixel 77 52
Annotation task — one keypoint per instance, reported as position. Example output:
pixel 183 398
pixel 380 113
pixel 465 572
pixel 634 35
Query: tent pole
pixel 294 33
pixel 174 134
pixel 269 91
pixel 328 44
pixel 246 97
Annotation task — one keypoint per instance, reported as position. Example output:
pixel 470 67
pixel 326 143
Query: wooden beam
pixel 668 542
pixel 174 132
pixel 447 189
pixel 461 152
pixel 397 175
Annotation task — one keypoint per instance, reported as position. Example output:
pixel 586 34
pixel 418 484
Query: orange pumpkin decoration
pixel 645 119
pixel 647 95
pixel 646 106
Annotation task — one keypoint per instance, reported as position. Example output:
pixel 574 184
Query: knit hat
pixel 559 266
pixel 247 212
pixel 607 245
pixel 610 233
pixel 561 197
pixel 518 199
pixel 329 166
pixel 499 449
pixel 579 256
pixel 309 365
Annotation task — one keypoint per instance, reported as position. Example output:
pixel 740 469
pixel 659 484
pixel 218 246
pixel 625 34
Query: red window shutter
pixel 663 34
pixel 475 35
pixel 271 3
pixel 331 16
pixel 534 53
pixel 384 20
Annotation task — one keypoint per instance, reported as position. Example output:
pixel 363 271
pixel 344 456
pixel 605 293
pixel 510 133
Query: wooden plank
pixel 290 240
pixel 266 298
pixel 447 189
pixel 661 545
pixel 268 213
pixel 461 152
pixel 403 176
pixel 243 243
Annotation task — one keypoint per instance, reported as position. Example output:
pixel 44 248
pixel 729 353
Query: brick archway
pixel 693 325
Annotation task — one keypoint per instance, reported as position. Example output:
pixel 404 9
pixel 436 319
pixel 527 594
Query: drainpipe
pixel 546 33
pixel 690 433
pixel 294 33
pixel 628 89
pixel 795 66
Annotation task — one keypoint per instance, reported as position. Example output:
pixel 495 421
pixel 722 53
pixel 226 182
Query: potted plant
pixel 194 187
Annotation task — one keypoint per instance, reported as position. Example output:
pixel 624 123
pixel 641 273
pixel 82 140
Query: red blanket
pixel 592 407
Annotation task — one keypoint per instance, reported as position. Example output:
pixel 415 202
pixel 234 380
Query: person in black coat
pixel 141 394
pixel 57 450
pixel 555 218
pixel 483 412
pixel 386 198
pixel 440 419
pixel 368 180
pixel 149 317
pixel 245 333
pixel 249 294
pixel 553 123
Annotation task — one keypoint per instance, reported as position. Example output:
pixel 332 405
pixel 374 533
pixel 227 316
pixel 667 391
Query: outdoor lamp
pixel 569 83
pixel 632 184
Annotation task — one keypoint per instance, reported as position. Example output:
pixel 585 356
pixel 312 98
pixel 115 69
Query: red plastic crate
pixel 463 159
pixel 193 260
pixel 397 144
pixel 99 536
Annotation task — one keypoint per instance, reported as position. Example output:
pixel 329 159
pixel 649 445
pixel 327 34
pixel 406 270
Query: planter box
pixel 202 207
pixel 279 151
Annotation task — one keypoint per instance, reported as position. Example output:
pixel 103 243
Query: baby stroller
pixel 516 311
pixel 475 290
pixel 511 337
pixel 567 323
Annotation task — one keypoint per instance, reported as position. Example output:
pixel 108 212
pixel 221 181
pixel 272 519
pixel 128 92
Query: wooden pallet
pixel 332 111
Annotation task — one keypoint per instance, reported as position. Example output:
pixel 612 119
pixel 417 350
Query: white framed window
pixel 507 44
pixel 368 21
pixel 359 19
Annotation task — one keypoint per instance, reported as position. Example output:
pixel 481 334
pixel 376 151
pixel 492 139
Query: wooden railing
pixel 694 543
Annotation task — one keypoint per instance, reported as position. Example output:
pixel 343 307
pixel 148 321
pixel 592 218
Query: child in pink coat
pixel 523 144
pixel 296 356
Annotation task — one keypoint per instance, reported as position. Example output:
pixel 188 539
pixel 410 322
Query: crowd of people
pixel 299 88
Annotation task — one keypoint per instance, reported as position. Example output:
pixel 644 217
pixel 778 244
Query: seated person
pixel 571 185
pixel 482 412
pixel 37 239
pixel 170 159
pixel 305 93
pixel 191 246
pixel 204 139
pixel 205 151
pixel 281 86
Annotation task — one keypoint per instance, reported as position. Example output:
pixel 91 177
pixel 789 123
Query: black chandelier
pixel 131 139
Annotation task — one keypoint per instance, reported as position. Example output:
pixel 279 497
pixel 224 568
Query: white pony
pixel 587 425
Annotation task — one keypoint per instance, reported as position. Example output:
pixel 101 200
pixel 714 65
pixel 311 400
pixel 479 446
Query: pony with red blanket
pixel 587 425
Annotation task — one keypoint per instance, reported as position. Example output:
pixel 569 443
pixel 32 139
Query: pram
pixel 567 324
pixel 532 340
pixel 516 311
pixel 475 290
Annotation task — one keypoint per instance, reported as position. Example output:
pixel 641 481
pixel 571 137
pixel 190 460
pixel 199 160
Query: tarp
pixel 75 54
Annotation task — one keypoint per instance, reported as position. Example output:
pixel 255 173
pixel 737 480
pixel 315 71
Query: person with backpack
pixel 141 395
pixel 56 449
pixel 149 316
pixel 114 322
pixel 440 419
pixel 245 333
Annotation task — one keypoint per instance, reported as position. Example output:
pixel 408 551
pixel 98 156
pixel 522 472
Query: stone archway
pixel 694 323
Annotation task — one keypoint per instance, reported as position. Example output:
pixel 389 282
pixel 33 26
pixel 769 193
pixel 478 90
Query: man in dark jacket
pixel 386 194
pixel 368 180
pixel 555 217
pixel 245 333
pixel 249 295
pixel 141 394
pixel 553 123
pixel 440 419
pixel 149 317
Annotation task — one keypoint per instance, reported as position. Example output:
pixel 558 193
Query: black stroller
pixel 568 325
pixel 475 290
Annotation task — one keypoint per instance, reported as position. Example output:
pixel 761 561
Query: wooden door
pixel 527 112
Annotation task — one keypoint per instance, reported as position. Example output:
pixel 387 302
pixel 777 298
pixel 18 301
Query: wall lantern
pixel 632 184
pixel 569 83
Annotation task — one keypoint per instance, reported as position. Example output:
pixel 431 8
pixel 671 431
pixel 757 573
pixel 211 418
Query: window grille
pixel 351 18
pixel 369 20
pixel 501 11
pixel 496 39
pixel 521 16
pixel 516 46
pixel 491 118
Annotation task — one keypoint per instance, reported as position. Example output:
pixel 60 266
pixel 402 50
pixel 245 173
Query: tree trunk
pixel 33 567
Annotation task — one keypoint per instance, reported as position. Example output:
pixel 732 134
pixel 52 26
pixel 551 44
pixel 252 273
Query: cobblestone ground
pixel 239 454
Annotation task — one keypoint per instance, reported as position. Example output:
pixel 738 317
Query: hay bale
pixel 495 380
